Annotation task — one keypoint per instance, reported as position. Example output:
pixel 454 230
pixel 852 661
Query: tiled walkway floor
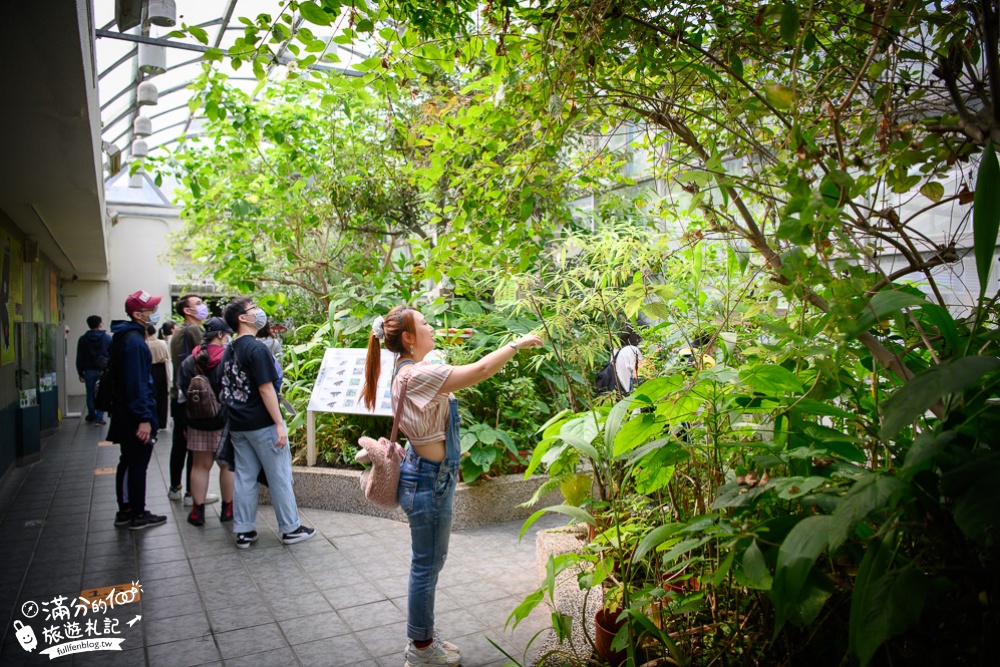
pixel 338 599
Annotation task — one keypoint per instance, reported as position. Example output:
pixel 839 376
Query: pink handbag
pixel 380 483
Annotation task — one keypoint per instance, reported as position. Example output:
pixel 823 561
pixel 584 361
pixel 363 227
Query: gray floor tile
pixel 458 623
pixel 333 652
pixel 310 628
pixel 257 599
pixel 375 614
pixel 239 617
pixel 183 584
pixel 155 608
pixel 186 653
pixel 176 628
pixel 384 640
pixel 286 607
pixel 282 657
pixel 247 641
pixel 353 596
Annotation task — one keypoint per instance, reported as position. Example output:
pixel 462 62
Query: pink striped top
pixel 425 413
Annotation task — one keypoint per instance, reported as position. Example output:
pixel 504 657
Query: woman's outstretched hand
pixel 527 342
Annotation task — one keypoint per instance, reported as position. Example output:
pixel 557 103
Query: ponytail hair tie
pixel 377 330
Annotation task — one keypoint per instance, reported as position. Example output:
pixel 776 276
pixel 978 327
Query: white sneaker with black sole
pixel 209 499
pixel 435 654
pixel 300 534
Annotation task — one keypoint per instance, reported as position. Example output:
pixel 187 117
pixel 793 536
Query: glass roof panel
pixel 170 116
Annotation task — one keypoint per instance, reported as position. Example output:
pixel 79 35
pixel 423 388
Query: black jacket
pixel 135 395
pixel 91 348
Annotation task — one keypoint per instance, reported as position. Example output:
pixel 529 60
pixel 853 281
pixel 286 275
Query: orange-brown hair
pixel 396 322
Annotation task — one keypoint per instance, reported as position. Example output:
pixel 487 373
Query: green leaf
pixel 568 510
pixel 619 413
pixel 527 207
pixel 923 450
pixel 771 378
pixel 916 396
pixel 986 215
pixel 800 549
pixel 810 407
pixel 881 306
pixel 976 483
pixel 866 496
pixel 779 96
pixel 755 569
pixel 575 488
pixel 198 33
pixel 932 190
pixel 789 25
pixel 885 603
pixel 470 471
pixel 638 431
pixel 655 538
pixel 311 12
pixel 945 323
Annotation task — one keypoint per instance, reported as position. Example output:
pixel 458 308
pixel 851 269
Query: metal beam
pixel 118 62
pixel 202 49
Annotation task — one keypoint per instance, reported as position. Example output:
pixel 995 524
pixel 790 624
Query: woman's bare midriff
pixel 432 452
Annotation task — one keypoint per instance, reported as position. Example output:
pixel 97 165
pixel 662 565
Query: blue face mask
pixel 154 318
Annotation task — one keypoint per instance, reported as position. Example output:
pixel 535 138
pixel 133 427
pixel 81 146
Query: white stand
pixel 310 438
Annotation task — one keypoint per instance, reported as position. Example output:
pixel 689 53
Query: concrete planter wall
pixel 483 503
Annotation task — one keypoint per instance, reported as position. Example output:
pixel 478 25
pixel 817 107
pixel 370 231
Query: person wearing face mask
pixel 133 417
pixel 203 435
pixel 184 340
pixel 260 441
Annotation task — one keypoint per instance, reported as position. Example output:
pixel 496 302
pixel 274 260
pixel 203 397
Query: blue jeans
pixel 90 378
pixel 427 495
pixel 255 450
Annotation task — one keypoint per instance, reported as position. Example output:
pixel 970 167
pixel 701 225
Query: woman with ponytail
pixel 427 478
pixel 204 435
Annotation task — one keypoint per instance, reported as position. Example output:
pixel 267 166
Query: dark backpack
pixel 607 378
pixel 200 399
pixel 104 393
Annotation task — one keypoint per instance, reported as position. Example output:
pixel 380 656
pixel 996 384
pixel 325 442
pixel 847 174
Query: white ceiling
pixel 51 183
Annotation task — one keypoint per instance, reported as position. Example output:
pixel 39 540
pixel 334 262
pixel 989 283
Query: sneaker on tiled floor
pixel 445 644
pixel 197 515
pixel 244 540
pixel 300 534
pixel 122 519
pixel 435 654
pixel 146 520
pixel 209 499
pixel 175 493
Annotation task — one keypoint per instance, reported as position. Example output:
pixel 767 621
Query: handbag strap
pixel 402 399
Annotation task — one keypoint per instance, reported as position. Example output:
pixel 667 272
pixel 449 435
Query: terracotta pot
pixel 605 629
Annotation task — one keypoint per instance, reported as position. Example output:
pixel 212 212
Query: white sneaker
pixel 209 499
pixel 175 493
pixel 435 654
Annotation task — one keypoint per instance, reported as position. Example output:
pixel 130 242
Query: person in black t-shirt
pixel 250 391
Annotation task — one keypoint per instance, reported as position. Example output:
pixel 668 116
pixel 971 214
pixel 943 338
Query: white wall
pixel 81 299
pixel 138 259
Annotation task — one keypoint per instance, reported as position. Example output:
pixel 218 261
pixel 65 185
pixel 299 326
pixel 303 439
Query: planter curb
pixel 496 500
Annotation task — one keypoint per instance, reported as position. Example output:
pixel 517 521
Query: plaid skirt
pixel 203 441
